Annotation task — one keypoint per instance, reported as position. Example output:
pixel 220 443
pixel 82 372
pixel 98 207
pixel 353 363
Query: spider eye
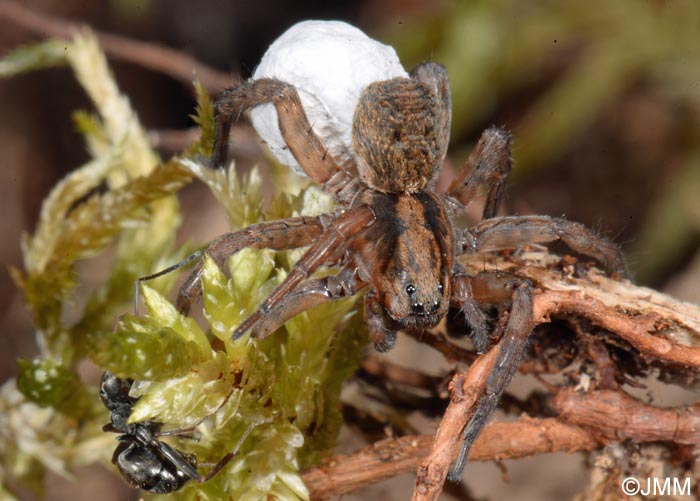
pixel 410 289
pixel 440 288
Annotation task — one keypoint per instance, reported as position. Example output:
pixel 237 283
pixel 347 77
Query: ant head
pixel 114 393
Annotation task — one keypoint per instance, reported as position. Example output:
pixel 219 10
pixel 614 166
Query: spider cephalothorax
pixel 410 281
pixel 392 235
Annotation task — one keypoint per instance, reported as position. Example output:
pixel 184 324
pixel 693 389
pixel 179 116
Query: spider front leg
pixel 328 248
pixel 313 292
pixel 278 235
pixel 512 232
pixel 488 165
pixel 296 130
pixel 497 288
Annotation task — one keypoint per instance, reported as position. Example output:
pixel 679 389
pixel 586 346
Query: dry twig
pixel 659 328
pixel 174 63
pixel 587 421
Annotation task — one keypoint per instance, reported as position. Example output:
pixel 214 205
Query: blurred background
pixel 603 99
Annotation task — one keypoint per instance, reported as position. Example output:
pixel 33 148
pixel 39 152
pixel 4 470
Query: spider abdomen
pixel 395 135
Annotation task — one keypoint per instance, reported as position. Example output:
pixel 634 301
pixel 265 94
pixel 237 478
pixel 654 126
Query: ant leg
pixel 294 125
pixel 463 297
pixel 498 286
pixel 489 163
pixel 178 458
pixel 279 235
pixel 311 293
pixel 330 244
pixel 228 457
pixel 512 232
pixel 434 75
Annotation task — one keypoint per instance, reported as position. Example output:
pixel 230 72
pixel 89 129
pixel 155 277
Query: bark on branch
pixel 586 421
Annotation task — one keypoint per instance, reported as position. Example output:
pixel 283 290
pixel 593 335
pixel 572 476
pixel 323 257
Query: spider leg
pixel 463 296
pixel 435 77
pixel 313 292
pixel 169 269
pixel 489 163
pixel 512 232
pixel 330 244
pixel 493 286
pixel 279 235
pixel 296 130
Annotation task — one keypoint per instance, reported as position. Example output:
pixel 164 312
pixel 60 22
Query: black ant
pixel 143 460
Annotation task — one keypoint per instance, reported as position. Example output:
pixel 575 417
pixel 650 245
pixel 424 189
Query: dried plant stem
pixel 637 330
pixel 176 64
pixel 655 325
pixel 587 421
pixel 616 416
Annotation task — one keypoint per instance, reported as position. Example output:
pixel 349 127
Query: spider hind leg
pixel 293 123
pixel 488 165
pixel 512 232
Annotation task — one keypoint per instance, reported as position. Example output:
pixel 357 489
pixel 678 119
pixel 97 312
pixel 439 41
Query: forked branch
pixel 657 327
pixel 587 421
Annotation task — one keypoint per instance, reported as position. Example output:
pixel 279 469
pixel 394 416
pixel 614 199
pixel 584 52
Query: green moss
pixel 49 384
pixel 287 386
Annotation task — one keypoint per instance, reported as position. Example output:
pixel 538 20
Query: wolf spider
pixel 392 234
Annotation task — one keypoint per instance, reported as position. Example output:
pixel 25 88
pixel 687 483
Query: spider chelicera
pixel 392 235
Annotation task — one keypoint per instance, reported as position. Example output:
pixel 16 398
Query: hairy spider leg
pixel 169 269
pixel 331 243
pixel 308 294
pixel 512 232
pixel 488 164
pixel 294 125
pixel 496 287
pixel 463 297
pixel 278 235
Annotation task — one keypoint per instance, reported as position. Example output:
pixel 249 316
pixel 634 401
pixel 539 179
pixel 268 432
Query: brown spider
pixel 392 235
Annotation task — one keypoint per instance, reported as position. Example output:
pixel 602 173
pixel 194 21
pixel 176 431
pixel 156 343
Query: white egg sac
pixel 329 63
